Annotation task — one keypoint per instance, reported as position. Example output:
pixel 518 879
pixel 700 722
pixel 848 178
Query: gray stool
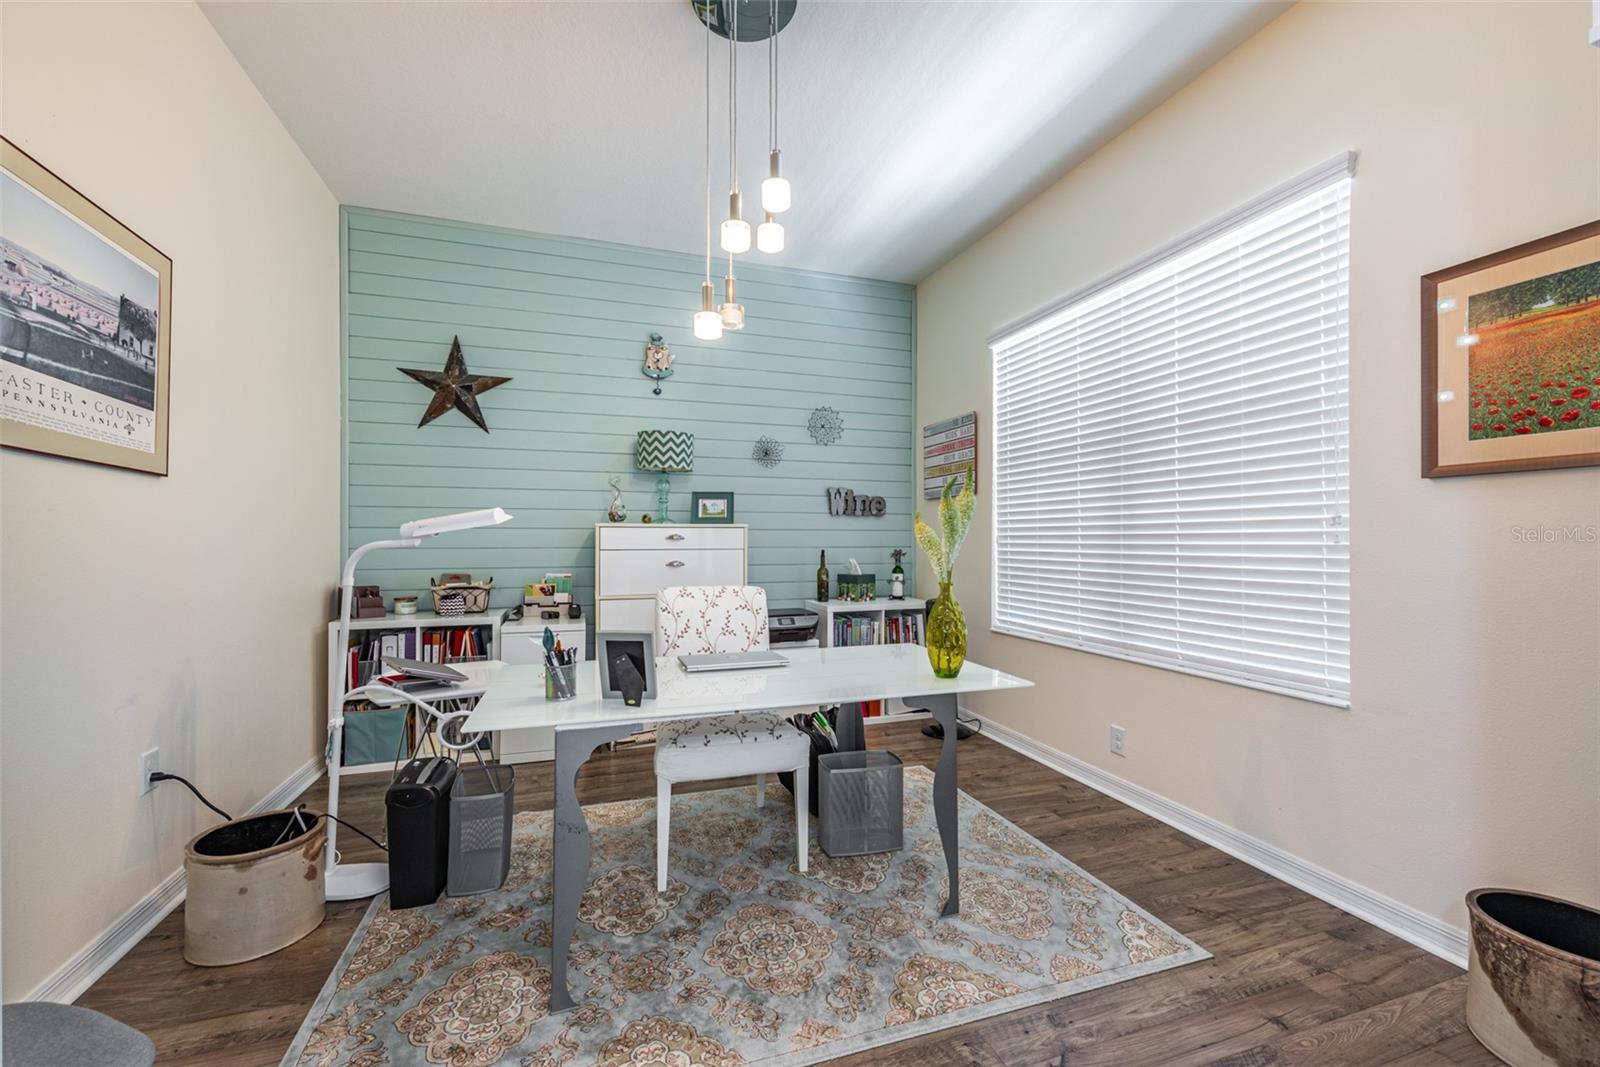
pixel 60 1035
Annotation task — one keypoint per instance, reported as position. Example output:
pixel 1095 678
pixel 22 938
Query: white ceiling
pixel 908 129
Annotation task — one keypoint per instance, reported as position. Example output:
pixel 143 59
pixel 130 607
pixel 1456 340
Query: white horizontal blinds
pixel 1171 458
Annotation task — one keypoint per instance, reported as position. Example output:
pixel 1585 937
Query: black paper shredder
pixel 418 805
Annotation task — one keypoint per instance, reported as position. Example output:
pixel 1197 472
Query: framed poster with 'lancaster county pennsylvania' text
pixel 85 325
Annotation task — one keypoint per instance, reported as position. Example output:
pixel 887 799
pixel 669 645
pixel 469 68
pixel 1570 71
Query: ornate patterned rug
pixel 742 960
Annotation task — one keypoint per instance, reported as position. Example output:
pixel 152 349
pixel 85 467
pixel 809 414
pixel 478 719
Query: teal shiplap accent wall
pixel 568 320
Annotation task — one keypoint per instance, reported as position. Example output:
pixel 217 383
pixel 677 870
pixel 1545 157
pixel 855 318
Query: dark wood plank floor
pixel 1292 981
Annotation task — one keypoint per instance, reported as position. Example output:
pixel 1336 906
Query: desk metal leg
pixel 569 871
pixel 848 729
pixel 944 797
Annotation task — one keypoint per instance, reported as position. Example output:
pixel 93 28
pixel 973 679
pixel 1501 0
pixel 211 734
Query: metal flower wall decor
pixel 767 452
pixel 826 426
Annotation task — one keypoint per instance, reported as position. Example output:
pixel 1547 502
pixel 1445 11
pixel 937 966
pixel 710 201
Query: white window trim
pixel 1340 166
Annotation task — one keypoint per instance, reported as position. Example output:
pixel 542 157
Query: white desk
pixel 845 676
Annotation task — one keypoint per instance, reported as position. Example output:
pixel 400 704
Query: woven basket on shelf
pixel 474 596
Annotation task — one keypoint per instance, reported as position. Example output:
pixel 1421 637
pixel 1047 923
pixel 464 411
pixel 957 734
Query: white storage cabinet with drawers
pixel 633 560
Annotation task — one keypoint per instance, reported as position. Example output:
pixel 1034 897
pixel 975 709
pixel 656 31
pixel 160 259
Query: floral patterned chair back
pixel 695 620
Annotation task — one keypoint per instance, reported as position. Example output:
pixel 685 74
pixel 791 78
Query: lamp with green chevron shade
pixel 667 452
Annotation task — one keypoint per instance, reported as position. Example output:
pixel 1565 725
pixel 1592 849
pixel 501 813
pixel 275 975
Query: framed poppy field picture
pixel 1511 359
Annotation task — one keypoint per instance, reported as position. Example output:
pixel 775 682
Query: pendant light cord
pixel 733 117
pixel 708 149
pixel 772 75
pixel 733 101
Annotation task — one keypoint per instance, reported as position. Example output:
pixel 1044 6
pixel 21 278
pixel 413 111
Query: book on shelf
pixel 446 644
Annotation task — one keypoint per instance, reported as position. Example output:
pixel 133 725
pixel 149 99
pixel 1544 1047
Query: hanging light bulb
pixel 775 190
pixel 732 311
pixel 735 231
pixel 735 237
pixel 769 235
pixel 708 321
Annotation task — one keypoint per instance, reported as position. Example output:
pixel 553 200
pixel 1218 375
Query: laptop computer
pixel 414 668
pixel 731 661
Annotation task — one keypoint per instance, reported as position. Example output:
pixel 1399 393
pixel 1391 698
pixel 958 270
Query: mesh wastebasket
pixel 860 801
pixel 480 830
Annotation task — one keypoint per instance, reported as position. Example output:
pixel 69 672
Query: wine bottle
pixel 822 577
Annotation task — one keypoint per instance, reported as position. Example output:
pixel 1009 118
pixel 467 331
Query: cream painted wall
pixel 1471 752
pixel 179 612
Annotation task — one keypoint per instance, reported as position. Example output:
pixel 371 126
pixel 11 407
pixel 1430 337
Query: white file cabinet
pixel 522 641
pixel 633 560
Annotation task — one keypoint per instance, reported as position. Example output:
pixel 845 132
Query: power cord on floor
pixel 163 776
pixel 346 825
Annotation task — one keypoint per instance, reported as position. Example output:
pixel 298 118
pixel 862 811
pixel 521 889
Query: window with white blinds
pixel 1171 473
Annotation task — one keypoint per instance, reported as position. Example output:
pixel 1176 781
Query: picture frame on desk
pixel 640 647
pixel 711 507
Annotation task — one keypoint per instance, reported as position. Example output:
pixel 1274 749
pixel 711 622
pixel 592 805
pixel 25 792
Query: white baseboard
pixel 107 947
pixel 1402 920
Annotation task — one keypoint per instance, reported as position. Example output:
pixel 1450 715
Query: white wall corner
pixel 1402 920
pixel 73 977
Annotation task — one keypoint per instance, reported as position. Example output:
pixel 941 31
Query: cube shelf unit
pixel 877 610
pixel 398 624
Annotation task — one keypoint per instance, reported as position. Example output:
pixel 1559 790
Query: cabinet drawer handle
pixel 674 562
pixel 674 537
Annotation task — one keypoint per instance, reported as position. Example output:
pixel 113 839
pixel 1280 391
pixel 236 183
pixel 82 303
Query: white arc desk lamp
pixel 354 881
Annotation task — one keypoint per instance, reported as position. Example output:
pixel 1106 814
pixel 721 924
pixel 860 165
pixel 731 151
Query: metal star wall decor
pixel 454 387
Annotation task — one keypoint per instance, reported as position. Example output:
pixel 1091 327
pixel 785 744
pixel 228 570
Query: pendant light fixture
pixel 735 231
pixel 708 320
pixel 775 190
pixel 732 311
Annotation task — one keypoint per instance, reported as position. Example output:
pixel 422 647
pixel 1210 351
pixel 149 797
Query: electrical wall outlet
pixel 149 763
pixel 1119 741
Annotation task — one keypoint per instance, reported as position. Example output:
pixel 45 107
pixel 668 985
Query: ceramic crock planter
pixel 1533 978
pixel 255 885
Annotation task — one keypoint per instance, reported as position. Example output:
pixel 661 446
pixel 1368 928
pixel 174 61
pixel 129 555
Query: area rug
pixel 743 960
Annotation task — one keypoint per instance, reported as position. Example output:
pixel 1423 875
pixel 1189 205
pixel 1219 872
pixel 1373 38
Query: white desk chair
pixel 704 619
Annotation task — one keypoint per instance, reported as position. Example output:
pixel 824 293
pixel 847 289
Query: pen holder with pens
pixel 560 682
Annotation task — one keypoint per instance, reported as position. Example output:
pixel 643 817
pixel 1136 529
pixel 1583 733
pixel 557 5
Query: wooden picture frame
pixel 711 507
pixel 85 325
pixel 1539 339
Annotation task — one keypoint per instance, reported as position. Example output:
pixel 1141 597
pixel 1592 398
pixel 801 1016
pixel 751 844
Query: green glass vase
pixel 947 634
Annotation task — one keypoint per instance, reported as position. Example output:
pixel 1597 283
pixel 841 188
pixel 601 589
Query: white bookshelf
pixel 399 624
pixel 879 611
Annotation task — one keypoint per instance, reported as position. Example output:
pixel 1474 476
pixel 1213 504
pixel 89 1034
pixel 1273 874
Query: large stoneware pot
pixel 255 886
pixel 1533 978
